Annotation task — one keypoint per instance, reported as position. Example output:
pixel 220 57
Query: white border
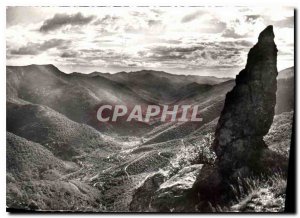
pixel 257 3
pixel 4 3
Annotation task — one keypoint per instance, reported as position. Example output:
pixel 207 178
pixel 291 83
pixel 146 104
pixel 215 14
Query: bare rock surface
pixel 248 111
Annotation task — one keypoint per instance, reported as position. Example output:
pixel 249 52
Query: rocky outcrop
pixel 248 111
pixel 158 193
pixel 141 198
pixel 174 194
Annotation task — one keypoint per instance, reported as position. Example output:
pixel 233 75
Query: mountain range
pixel 60 158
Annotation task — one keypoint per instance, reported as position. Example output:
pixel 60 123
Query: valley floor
pixel 139 177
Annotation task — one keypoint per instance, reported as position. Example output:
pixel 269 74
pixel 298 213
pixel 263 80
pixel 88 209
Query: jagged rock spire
pixel 248 110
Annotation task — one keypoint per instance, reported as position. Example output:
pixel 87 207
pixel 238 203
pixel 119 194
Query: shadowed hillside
pixel 65 138
pixel 47 85
pixel 59 158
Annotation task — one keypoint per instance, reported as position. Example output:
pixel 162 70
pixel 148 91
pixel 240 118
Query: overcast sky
pixel 182 40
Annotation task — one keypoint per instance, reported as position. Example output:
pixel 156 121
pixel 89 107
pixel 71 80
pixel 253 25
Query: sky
pixel 208 41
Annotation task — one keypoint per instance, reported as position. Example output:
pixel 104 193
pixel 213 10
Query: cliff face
pixel 248 110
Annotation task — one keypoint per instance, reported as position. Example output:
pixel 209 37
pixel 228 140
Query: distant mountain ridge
pixel 78 95
pixel 123 75
pixel 286 73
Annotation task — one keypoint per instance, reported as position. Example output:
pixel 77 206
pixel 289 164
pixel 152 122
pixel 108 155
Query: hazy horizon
pixel 130 71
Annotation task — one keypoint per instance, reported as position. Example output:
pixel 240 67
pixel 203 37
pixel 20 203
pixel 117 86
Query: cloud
pixel 199 55
pixel 107 19
pixel 26 50
pixel 192 16
pixel 19 15
pixel 230 33
pixel 136 23
pixel 157 12
pixel 154 22
pixel 170 53
pixel 183 49
pixel 132 65
pixel 159 38
pixel 244 26
pixel 237 44
pixel 37 48
pixel 60 20
pixel 287 22
pixel 69 54
pixel 251 18
pixel 169 41
pixel 214 26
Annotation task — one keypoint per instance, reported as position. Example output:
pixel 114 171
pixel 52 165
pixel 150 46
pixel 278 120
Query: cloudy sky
pixel 182 40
